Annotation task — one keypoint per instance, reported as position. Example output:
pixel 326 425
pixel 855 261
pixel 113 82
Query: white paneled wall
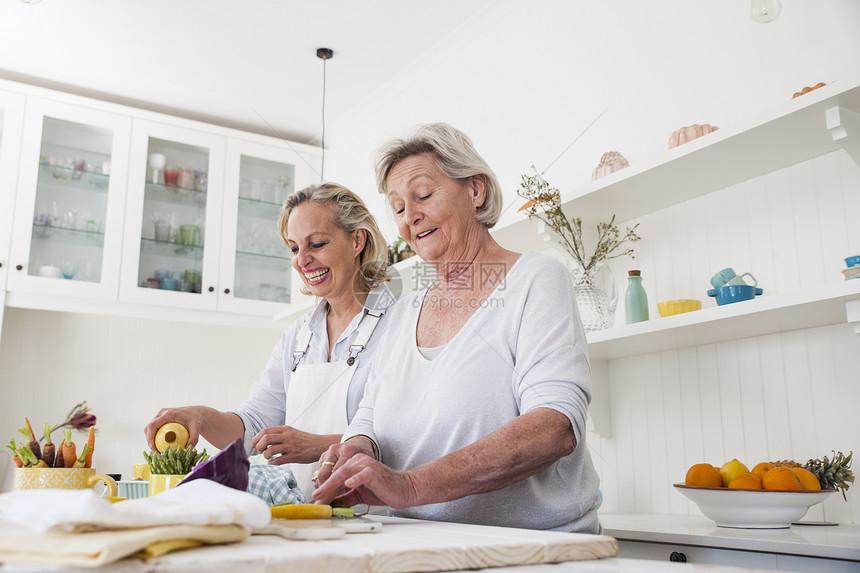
pixel 126 369
pixel 787 395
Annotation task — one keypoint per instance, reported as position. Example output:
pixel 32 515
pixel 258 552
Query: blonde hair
pixel 349 213
pixel 455 156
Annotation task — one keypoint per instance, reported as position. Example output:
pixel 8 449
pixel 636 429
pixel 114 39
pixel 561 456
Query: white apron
pixel 316 396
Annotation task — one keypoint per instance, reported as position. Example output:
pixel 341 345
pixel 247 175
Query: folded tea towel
pixel 200 502
pixel 103 547
pixel 273 484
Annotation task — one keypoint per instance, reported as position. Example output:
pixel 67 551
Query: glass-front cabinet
pixel 11 122
pixel 173 218
pixel 256 275
pixel 68 217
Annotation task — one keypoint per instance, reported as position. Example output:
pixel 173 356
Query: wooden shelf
pixel 820 306
pixel 788 133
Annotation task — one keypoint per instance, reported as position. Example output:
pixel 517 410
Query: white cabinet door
pixel 173 219
pixel 71 197
pixel 256 275
pixel 11 123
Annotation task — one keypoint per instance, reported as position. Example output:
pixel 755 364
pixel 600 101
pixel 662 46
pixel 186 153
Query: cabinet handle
pixel 19 267
pixel 677 557
pixel 1 265
pixel 211 289
pixel 226 291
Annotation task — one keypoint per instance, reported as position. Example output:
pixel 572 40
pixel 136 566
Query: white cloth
pixel 198 502
pixel 266 406
pixel 523 348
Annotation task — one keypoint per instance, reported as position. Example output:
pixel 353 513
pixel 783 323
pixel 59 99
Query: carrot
pixel 27 431
pixel 15 457
pixel 82 460
pixel 70 454
pixel 58 458
pixel 48 452
pixel 91 444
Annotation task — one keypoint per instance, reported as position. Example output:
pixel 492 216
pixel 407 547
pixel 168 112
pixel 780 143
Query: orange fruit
pixel 807 478
pixel 781 478
pixel 745 481
pixel 760 469
pixel 704 475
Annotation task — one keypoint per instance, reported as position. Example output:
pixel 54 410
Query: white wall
pixel 125 368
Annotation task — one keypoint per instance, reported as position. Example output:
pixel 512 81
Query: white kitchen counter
pixel 832 542
pixel 402 545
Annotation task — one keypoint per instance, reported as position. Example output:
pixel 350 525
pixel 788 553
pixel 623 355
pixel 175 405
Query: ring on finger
pixel 328 464
pixel 316 476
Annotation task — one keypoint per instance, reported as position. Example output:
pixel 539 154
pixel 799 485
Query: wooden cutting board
pixel 405 545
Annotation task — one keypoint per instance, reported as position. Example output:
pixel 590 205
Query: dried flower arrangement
pixel 544 203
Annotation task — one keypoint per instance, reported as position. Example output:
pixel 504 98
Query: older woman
pixel 481 418
pixel 315 377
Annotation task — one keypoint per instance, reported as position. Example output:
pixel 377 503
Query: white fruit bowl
pixel 752 508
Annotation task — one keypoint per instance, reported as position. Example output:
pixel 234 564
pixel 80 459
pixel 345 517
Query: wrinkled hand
pixel 359 479
pixel 191 417
pixel 294 446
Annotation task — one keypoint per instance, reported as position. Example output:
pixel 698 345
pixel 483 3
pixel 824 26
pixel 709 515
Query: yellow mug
pixel 162 482
pixel 61 478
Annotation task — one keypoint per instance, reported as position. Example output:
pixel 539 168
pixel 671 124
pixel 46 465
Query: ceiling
pixel 250 65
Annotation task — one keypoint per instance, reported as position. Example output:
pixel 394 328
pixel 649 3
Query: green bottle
pixel 636 300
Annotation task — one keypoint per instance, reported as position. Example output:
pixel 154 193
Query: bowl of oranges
pixel 769 496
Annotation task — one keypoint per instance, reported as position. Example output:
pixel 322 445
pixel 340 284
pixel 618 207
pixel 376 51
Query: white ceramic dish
pixel 750 508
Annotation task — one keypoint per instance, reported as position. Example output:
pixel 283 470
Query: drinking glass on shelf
pixel 157 161
pixel 69 267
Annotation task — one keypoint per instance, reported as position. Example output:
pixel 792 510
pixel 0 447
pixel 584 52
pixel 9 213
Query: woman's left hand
pixel 345 472
pixel 294 446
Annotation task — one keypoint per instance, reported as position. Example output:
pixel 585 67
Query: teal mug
pixel 728 276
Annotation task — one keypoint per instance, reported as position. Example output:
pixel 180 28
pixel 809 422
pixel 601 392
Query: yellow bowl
pixel 670 307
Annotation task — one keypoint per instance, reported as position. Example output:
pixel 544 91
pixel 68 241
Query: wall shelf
pixel 793 131
pixel 818 306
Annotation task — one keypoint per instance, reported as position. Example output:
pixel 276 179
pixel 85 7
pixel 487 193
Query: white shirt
pixel 265 407
pixel 523 348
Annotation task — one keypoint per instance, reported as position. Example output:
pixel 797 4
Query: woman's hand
pixel 219 428
pixel 345 471
pixel 294 446
pixel 192 417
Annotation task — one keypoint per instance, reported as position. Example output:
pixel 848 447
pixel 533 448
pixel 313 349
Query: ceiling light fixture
pixel 765 11
pixel 324 54
pixel 31 1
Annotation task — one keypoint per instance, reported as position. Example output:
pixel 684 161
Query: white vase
pixel 596 306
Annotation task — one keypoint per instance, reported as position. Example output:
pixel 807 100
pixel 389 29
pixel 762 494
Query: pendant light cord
pixel 322 138
pixel 325 54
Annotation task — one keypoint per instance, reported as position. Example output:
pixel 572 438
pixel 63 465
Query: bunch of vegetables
pixel 32 455
pixel 174 461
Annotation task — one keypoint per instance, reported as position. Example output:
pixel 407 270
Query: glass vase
pixel 596 306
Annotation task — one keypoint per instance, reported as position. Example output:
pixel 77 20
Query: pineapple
pixel 833 474
pixel 787 464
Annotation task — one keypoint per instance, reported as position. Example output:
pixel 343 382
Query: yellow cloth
pixel 103 547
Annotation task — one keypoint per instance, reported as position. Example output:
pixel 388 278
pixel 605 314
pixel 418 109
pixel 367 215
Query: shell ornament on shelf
pixel 610 162
pixel 690 133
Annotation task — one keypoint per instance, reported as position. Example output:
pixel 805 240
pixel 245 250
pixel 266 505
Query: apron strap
pixel 365 329
pixel 303 341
